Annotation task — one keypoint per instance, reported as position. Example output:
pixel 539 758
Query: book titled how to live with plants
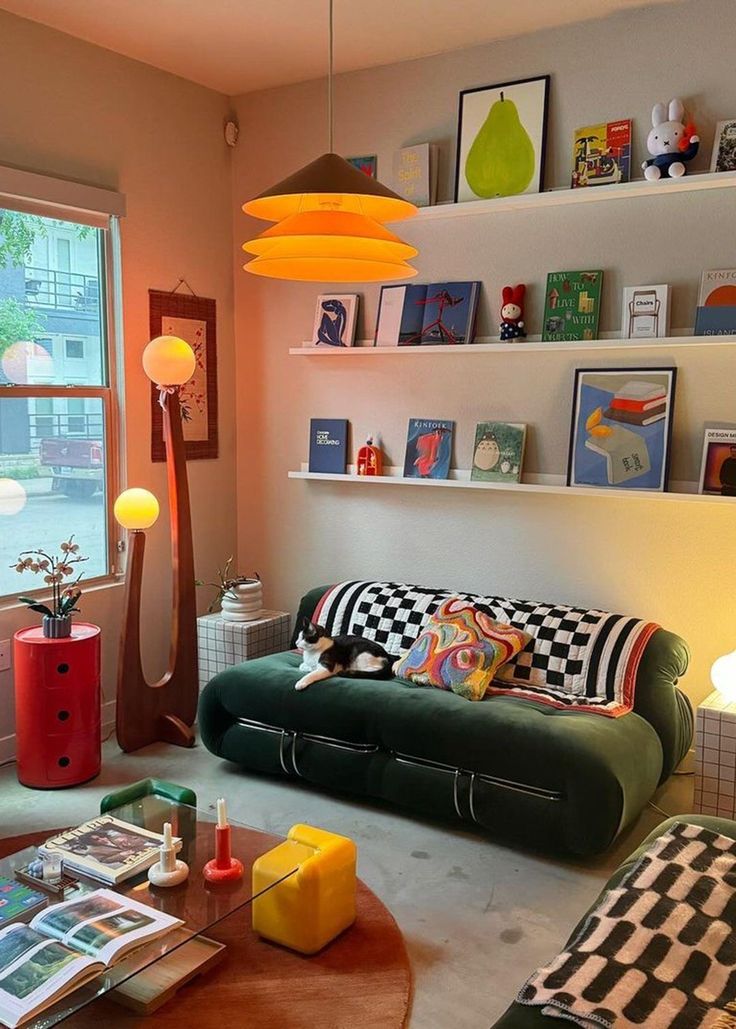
pixel 572 303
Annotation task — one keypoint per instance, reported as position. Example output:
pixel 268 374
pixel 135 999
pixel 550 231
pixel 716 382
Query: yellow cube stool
pixel 310 908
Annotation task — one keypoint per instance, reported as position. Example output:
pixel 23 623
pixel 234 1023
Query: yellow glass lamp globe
pixel 723 676
pixel 136 509
pixel 169 361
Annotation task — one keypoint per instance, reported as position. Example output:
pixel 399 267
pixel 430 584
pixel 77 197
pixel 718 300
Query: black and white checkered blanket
pixel 586 660
pixel 659 951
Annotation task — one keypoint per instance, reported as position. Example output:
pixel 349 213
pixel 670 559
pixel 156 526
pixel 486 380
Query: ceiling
pixel 235 46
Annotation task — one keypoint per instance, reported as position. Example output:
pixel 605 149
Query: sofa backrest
pixel 663 661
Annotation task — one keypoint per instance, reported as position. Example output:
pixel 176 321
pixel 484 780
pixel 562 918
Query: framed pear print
pixel 501 139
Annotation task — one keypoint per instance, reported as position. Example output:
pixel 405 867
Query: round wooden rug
pixel 361 981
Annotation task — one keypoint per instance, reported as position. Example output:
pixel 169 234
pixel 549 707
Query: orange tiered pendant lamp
pixel 329 219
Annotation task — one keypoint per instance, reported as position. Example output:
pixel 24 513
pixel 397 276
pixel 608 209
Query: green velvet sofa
pixel 521 1016
pixel 531 774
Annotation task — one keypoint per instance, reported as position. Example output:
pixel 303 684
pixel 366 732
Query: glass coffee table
pixel 198 903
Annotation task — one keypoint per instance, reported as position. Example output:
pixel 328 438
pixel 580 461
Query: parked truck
pixel 77 465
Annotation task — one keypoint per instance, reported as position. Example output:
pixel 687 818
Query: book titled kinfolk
pixel 415 173
pixel 716 315
pixel 428 449
pixel 328 445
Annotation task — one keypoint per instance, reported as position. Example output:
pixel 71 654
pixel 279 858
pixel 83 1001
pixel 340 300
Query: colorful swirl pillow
pixel 461 649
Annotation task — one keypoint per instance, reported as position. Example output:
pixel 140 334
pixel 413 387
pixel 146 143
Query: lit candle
pixel 221 814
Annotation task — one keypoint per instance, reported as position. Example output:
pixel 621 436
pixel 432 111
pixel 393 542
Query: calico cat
pixel 324 656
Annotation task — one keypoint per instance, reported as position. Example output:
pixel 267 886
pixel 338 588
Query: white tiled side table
pixel 222 644
pixel 715 757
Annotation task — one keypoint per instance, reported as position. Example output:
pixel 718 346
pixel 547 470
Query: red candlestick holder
pixel 223 867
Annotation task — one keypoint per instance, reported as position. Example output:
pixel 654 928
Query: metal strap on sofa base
pixel 293 736
pixel 489 780
pixel 288 762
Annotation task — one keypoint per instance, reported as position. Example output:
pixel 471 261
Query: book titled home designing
pixel 716 314
pixel 107 849
pixel 572 304
pixel 68 944
pixel 328 445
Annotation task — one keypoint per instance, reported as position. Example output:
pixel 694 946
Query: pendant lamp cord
pixel 330 114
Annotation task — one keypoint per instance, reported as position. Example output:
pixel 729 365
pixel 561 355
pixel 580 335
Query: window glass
pixel 53 452
pixel 51 318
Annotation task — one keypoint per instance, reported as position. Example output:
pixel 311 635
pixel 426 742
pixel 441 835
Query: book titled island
pixel 68 944
pixel 572 304
pixel 107 849
pixel 716 314
pixel 328 445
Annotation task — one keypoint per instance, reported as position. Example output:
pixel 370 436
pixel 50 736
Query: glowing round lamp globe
pixel 723 676
pixel 12 497
pixel 169 361
pixel 136 509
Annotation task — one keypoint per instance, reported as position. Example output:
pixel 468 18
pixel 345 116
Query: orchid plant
pixel 224 587
pixel 55 569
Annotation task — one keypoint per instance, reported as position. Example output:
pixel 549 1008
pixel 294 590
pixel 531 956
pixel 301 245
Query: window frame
pixel 102 209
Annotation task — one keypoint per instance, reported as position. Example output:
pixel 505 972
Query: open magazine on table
pixel 66 945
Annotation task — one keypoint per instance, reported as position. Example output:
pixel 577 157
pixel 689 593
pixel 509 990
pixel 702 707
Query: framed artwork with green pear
pixel 501 139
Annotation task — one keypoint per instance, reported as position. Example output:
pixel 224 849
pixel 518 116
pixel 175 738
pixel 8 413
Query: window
pixel 58 408
pixel 74 349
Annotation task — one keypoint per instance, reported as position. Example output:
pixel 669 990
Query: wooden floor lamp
pixel 164 710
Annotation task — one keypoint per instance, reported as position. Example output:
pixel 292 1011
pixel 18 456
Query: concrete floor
pixel 477 917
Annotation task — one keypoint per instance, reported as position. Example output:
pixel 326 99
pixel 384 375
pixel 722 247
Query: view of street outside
pixel 46 520
pixel 52 445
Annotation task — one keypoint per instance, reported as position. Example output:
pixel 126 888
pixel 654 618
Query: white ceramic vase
pixel 243 602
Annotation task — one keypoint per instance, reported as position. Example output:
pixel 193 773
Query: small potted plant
pixel 57 613
pixel 240 597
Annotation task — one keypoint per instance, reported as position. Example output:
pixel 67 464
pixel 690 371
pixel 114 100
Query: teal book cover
pixel 498 453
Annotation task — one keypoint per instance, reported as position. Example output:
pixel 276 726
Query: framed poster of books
pixel 718 466
pixel 502 139
pixel 193 319
pixel 621 428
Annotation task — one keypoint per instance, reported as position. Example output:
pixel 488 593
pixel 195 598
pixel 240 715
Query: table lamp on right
pixel 723 676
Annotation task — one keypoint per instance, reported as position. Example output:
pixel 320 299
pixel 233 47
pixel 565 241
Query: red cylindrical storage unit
pixel 57 707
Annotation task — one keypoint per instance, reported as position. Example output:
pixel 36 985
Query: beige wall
pixel 78 111
pixel 671 562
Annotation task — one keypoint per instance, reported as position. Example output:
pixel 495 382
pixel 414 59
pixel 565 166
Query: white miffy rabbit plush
pixel 671 142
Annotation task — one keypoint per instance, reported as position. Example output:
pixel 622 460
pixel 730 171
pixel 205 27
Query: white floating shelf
pixel 365 348
pixel 460 479
pixel 587 195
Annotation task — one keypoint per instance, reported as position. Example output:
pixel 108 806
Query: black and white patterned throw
pixel 659 951
pixel 578 658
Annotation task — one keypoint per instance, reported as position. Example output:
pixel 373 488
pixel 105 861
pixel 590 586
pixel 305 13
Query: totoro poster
pixel 498 453
pixel 501 139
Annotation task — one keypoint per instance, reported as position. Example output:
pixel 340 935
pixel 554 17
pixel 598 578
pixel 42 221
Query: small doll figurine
pixel 512 313
pixel 671 142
